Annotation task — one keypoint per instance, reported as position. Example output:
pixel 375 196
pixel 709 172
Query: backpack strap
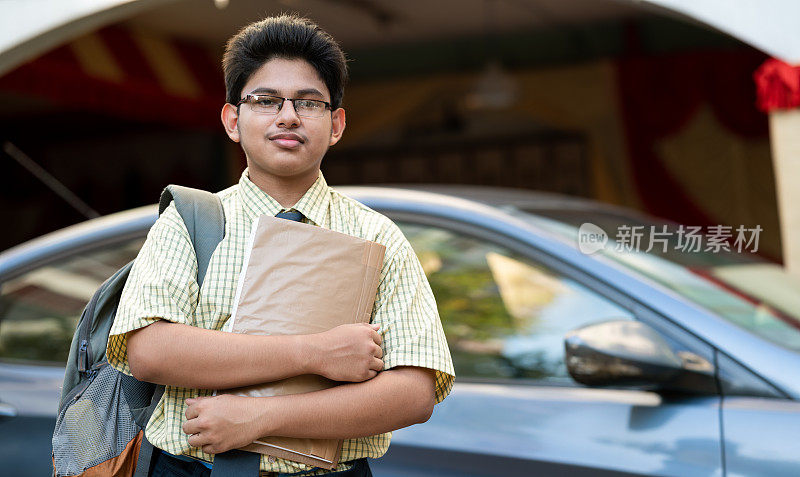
pixel 204 217
pixel 145 458
pixel 236 463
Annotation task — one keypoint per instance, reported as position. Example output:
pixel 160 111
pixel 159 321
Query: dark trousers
pixel 164 465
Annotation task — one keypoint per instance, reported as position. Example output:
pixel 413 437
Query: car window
pixel 504 314
pixel 40 309
pixel 759 296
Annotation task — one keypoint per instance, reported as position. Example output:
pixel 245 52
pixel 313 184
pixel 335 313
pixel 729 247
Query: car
pixel 614 362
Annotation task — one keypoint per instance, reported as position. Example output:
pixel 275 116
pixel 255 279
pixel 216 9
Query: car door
pixel 514 410
pixel 761 427
pixel 39 308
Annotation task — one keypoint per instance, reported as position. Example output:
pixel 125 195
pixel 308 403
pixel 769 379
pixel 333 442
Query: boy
pixel 284 81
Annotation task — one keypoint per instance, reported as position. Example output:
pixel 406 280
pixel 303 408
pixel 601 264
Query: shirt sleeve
pixel 162 285
pixel 410 324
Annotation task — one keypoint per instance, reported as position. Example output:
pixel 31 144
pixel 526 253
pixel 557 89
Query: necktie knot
pixel 290 215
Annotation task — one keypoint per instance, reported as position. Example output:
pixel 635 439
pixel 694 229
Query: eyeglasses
pixel 268 104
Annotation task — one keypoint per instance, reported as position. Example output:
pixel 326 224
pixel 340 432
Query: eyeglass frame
pixel 283 100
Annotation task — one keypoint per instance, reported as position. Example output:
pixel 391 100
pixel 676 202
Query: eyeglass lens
pixel 309 108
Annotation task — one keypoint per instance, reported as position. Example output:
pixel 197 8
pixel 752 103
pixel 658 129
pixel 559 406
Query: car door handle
pixel 7 410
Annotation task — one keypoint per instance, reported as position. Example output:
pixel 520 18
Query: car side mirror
pixel 631 353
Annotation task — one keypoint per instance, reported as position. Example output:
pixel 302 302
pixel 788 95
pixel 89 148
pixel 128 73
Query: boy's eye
pixel 307 104
pixel 267 101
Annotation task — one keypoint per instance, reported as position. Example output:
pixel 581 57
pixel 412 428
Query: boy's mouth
pixel 287 140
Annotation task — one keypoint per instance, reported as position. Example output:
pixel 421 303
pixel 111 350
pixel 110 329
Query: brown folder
pixel 302 279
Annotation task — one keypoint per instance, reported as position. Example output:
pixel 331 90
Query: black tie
pixel 290 215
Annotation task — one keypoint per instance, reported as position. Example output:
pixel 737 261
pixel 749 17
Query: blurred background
pixel 611 100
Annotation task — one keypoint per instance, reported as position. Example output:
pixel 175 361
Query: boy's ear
pixel 338 124
pixel 230 120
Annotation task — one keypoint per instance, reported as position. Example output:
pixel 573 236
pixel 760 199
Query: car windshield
pixel 738 286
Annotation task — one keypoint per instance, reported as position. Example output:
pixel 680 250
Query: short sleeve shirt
pixel 163 285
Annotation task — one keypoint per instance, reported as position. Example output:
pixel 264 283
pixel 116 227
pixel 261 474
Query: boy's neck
pixel 286 190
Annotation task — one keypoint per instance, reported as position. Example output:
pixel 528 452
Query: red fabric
pixel 777 85
pixel 128 55
pixel 661 94
pixel 59 77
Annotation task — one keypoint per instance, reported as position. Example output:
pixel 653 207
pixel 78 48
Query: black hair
pixel 289 37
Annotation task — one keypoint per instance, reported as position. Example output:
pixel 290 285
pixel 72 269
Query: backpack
pixel 102 413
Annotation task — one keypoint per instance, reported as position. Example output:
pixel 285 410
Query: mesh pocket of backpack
pixel 95 427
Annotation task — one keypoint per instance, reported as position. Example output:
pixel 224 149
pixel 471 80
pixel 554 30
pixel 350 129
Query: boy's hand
pixel 220 423
pixel 349 352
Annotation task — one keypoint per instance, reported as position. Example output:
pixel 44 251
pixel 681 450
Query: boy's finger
pixel 376 365
pixel 190 427
pixel 192 412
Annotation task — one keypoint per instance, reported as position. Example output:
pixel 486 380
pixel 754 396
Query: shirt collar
pixel 313 205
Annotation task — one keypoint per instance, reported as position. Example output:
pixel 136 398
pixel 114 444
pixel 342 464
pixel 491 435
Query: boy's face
pixel 284 145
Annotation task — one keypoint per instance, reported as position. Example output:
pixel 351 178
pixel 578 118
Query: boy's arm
pixel 395 398
pixel 187 356
pixel 159 336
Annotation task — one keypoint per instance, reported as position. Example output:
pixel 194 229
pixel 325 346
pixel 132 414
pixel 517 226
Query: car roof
pixel 110 228
pixel 523 199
